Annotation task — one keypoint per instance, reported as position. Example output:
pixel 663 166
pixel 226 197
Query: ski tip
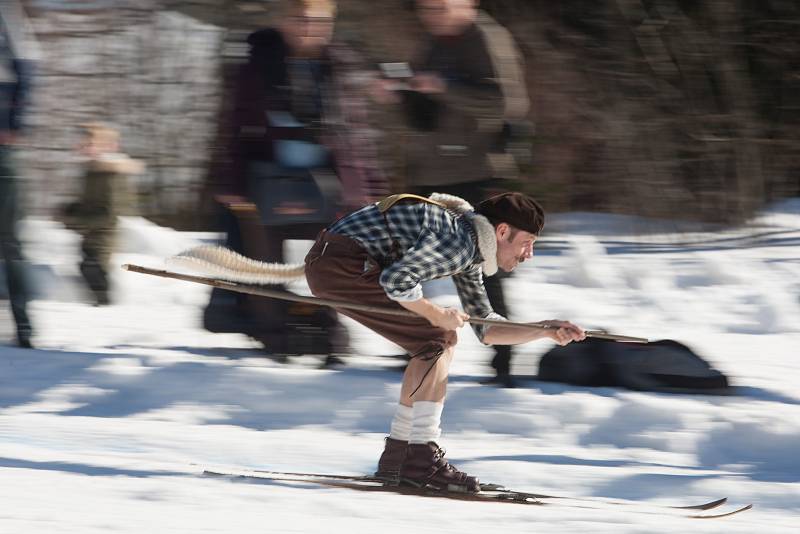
pixel 724 514
pixel 126 266
pixel 705 506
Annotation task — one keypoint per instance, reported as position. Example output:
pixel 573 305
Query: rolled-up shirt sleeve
pixel 471 292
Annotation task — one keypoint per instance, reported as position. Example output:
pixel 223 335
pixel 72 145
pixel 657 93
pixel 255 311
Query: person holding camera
pixel 461 92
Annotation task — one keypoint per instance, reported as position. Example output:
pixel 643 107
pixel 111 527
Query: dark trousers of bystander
pixel 11 248
pixel 96 252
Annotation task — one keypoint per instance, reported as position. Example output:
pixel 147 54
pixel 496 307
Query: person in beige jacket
pixel 465 88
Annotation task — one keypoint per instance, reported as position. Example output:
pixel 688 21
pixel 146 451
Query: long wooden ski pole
pixel 262 291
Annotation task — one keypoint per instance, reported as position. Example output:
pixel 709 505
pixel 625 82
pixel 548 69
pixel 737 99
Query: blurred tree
pixel 671 108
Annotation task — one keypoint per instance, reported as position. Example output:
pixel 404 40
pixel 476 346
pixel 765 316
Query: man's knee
pixel 447 358
pixel 430 350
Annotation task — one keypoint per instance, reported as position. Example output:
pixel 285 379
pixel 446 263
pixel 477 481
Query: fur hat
pixel 515 209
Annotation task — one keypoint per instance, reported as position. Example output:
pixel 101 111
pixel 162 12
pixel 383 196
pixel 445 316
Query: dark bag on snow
pixel 664 365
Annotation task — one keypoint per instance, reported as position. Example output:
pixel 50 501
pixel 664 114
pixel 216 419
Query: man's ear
pixel 501 230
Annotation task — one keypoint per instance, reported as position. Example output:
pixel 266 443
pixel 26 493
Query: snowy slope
pixel 106 427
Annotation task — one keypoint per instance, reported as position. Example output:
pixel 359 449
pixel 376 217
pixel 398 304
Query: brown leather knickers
pixel 339 268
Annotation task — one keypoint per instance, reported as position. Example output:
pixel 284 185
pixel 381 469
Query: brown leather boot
pixel 425 466
pixel 394 454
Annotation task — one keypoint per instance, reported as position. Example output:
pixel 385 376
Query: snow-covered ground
pixel 107 426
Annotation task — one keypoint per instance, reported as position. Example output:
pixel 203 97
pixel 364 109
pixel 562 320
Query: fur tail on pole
pixel 220 262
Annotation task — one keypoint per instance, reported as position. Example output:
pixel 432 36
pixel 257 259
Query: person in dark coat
pixel 300 155
pixel 16 60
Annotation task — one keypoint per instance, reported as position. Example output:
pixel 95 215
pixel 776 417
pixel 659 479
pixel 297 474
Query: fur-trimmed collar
pixel 484 230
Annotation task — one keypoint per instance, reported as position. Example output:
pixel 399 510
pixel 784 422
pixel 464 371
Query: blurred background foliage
pixel 663 108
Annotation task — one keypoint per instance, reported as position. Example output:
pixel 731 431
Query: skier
pixel 380 254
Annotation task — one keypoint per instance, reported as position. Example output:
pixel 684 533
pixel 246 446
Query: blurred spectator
pixel 16 58
pixel 301 152
pixel 299 107
pixel 462 96
pixel 105 194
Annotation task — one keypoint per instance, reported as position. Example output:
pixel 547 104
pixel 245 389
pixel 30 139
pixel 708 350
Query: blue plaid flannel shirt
pixel 435 243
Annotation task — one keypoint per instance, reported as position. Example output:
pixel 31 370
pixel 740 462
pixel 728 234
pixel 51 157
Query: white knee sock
pixel 426 420
pixel 401 424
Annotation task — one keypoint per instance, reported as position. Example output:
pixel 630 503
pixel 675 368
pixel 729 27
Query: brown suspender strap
pixel 385 204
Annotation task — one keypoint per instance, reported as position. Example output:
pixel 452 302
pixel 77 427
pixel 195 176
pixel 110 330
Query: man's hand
pixel 382 91
pixel 428 83
pixel 445 318
pixel 8 138
pixel 566 333
pixel 448 318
